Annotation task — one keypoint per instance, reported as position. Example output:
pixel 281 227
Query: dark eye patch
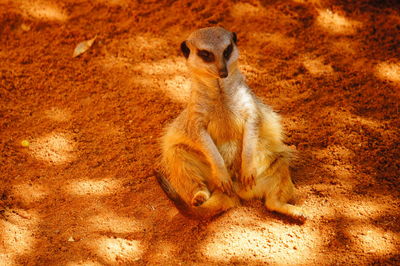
pixel 206 56
pixel 228 51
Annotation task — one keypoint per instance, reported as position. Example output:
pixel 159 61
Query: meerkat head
pixel 211 52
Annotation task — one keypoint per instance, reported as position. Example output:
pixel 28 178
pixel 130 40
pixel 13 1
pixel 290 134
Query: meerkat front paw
pixel 200 197
pixel 248 175
pixel 224 182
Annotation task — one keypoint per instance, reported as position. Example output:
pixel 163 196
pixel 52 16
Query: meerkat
pixel 226 145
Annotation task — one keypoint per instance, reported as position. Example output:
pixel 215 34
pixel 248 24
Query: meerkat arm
pixel 250 136
pixel 220 176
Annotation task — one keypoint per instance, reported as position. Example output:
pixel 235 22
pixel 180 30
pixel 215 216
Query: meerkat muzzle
pixel 223 73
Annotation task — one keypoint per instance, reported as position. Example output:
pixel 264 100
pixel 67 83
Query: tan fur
pixel 226 144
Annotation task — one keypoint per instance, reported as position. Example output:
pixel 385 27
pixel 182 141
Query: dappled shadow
pixel 38 9
pixel 83 191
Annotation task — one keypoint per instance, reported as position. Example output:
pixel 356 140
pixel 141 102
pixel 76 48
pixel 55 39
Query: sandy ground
pixel 83 193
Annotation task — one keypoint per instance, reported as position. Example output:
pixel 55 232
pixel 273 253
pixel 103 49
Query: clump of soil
pixel 82 190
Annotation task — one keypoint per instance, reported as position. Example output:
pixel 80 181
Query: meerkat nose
pixel 223 73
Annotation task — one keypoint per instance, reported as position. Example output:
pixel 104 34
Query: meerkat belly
pixel 227 132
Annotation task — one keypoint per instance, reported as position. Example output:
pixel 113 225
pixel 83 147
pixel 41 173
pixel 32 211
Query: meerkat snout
pixel 223 73
pixel 211 52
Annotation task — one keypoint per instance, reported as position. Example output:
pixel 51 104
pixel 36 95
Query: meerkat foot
pixel 298 213
pixel 200 197
pixel 288 209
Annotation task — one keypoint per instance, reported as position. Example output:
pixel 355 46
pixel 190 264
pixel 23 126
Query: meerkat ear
pixel 185 50
pixel 234 37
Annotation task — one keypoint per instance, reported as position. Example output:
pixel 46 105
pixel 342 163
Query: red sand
pixel 83 192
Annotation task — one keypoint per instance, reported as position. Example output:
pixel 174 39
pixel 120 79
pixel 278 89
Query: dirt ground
pixel 83 191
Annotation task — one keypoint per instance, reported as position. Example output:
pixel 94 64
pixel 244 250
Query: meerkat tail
pixel 171 193
pixel 213 206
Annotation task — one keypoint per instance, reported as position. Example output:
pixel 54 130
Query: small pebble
pixel 25 143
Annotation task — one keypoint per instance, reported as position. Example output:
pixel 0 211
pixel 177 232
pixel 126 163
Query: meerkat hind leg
pixel 281 191
pixel 216 204
pixel 200 197
pixel 273 204
pixel 192 181
pixel 188 172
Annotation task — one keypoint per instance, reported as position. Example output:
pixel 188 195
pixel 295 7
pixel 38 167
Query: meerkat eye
pixel 206 56
pixel 228 51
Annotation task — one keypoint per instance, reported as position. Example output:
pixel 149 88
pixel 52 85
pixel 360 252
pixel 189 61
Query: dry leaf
pixel 83 47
